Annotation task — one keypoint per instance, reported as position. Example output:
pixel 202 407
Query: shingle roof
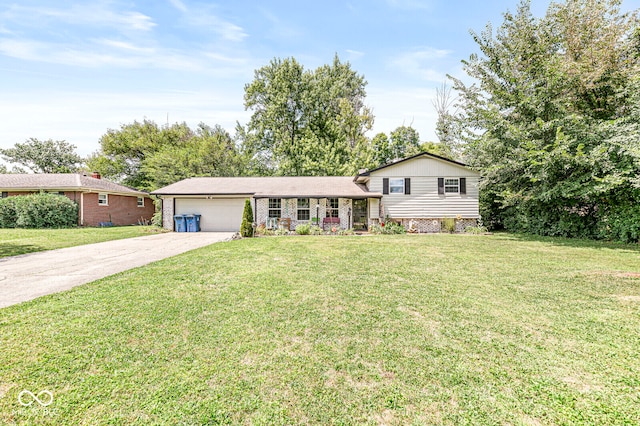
pixel 275 187
pixel 61 181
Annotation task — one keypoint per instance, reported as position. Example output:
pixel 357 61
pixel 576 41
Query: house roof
pixel 62 181
pixel 425 153
pixel 274 187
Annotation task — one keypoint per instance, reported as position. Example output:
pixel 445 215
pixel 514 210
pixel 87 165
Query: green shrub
pixel 316 230
pixel 389 227
pixel 38 211
pixel 475 229
pixel 281 231
pixel 449 225
pixel 156 220
pixel 303 229
pixel 8 212
pixel 246 228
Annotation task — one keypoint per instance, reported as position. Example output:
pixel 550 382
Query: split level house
pixel 417 192
pixel 99 200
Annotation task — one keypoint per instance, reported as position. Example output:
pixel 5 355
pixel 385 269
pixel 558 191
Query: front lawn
pixel 410 329
pixel 21 241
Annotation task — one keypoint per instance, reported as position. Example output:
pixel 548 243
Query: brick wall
pixel 121 210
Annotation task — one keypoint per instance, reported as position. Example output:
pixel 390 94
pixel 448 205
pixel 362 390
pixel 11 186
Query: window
pixel 396 186
pixel 5 195
pixel 303 209
pixel 451 185
pixel 140 201
pixel 332 207
pixel 103 199
pixel 275 205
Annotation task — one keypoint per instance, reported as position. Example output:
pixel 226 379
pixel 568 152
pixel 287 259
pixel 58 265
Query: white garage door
pixel 218 215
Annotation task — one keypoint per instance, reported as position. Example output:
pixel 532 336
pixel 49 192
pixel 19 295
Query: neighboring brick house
pixel 99 200
pixel 418 192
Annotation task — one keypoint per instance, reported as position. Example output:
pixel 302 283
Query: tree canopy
pixel 307 122
pixel 43 156
pixel 551 121
pixel 147 156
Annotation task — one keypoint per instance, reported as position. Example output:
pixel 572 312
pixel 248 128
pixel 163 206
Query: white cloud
pixel 354 54
pixel 203 17
pixel 419 63
pixel 95 14
pixel 178 5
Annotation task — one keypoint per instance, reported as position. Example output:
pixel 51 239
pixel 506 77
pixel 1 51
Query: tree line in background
pixel 304 123
pixel 552 122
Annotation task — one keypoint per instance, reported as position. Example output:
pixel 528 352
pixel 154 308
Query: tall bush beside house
pixel 246 228
pixel 8 212
pixel 38 211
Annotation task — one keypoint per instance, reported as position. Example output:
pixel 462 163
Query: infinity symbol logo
pixel 36 398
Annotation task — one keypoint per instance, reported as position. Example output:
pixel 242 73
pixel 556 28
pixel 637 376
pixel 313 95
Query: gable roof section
pixel 63 181
pixel 426 154
pixel 271 187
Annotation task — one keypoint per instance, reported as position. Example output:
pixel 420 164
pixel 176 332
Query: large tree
pixel 44 156
pixel 537 121
pixel 147 156
pixel 307 122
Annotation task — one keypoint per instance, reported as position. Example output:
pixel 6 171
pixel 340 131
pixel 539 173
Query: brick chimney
pixel 95 175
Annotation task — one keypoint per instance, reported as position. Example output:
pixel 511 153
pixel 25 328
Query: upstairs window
pixel 103 199
pixel 275 207
pixel 140 201
pixel 303 209
pixel 451 185
pixel 332 207
pixel 396 186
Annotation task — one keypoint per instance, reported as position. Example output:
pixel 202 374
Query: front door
pixel 360 214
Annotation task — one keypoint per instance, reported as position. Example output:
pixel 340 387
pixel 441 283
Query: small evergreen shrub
pixel 246 228
pixel 40 210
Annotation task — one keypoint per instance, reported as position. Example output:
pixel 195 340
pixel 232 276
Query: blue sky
pixel 70 70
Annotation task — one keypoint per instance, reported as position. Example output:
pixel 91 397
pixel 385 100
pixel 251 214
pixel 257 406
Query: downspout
pixel 255 210
pixel 82 209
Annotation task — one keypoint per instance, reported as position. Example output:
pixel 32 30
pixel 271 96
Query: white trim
pixel 82 208
pixel 106 199
pixel 457 179
pixel 138 201
pixel 396 186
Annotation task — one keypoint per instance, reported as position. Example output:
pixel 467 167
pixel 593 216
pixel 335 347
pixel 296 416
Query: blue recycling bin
pixel 181 223
pixel 193 222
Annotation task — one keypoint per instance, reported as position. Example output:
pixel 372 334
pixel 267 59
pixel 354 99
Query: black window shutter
pixel 385 185
pixel 440 185
pixel 407 186
pixel 463 185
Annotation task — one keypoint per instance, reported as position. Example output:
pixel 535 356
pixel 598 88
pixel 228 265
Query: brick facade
pixel 121 210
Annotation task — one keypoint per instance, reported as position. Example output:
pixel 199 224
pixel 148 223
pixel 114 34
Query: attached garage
pixel 217 214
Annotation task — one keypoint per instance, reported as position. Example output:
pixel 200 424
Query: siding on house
pixel 424 200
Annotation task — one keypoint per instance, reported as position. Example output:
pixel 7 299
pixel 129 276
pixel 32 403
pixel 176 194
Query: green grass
pixel 437 329
pixel 21 241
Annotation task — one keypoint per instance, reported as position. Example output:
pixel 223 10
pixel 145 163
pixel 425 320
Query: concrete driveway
pixel 28 276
